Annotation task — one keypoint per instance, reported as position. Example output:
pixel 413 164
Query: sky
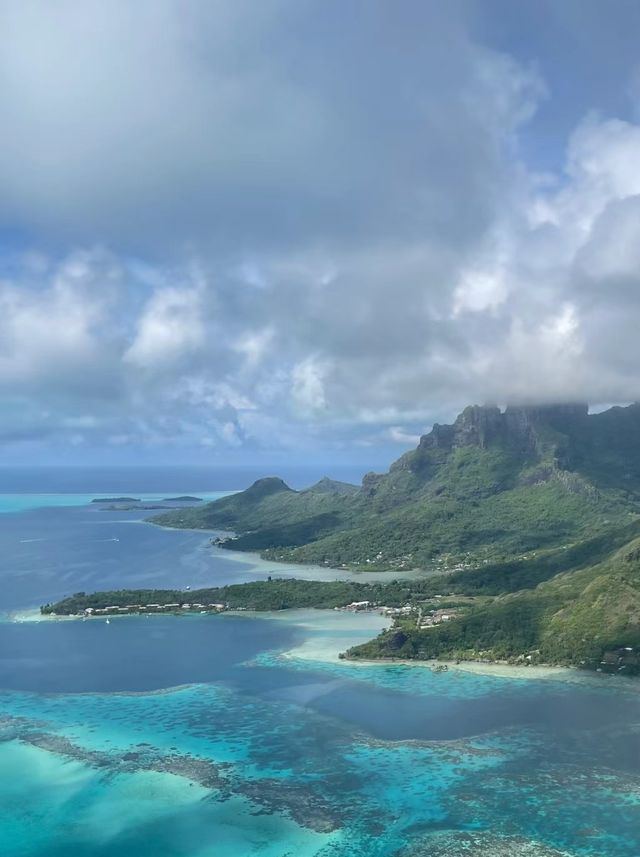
pixel 282 231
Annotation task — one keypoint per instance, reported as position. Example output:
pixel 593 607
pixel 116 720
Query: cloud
pixel 398 435
pixel 49 330
pixel 322 229
pixel 307 388
pixel 168 331
pixel 168 123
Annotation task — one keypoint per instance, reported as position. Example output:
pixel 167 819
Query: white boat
pixel 106 621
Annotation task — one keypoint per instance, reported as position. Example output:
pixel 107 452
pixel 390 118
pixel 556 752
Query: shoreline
pixel 329 633
pixel 499 670
pixel 367 575
pixel 304 570
pixel 319 647
pixel 32 614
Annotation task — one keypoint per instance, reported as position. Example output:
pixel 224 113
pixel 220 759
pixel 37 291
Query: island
pixel 116 500
pixel 529 514
pixel 266 595
pixel 137 506
pixel 185 499
pixel 427 624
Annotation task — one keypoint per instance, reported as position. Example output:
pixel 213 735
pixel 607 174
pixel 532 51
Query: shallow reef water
pixel 239 735
pixel 292 757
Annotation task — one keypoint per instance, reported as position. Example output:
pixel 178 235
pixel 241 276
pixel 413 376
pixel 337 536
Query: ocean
pixel 240 735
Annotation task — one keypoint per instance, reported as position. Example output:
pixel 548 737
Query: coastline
pixel 499 670
pixel 281 568
pixel 33 614
pixel 328 633
pixel 332 632
pixel 308 571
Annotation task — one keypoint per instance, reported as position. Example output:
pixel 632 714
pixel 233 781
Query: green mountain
pixel 269 514
pixel 588 617
pixel 492 487
pixel 530 517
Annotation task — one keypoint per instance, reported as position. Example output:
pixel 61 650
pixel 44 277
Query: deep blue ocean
pixel 239 735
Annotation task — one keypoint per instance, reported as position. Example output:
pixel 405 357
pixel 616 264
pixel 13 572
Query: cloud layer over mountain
pixel 291 225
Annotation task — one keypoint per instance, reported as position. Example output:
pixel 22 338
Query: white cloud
pixel 307 384
pixel 229 433
pixel 399 435
pixel 315 235
pixel 253 346
pixel 542 309
pixel 479 290
pixel 170 328
pixel 50 330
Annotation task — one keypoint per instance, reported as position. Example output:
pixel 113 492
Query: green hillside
pixel 589 617
pixel 492 487
pixel 531 516
pixel 270 514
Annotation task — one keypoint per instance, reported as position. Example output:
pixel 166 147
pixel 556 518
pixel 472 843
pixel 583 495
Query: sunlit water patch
pixel 58 807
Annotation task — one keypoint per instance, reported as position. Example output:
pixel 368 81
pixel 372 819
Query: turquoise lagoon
pixel 236 735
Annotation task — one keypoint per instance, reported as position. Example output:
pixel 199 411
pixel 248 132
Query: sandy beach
pixel 328 633
pixel 33 614
pixel 480 668
pixel 331 632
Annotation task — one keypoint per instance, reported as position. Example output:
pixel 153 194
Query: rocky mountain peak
pixel 477 425
pixel 560 416
pixel 517 426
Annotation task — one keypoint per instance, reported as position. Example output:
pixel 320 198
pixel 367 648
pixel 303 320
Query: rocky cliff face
pixel 517 427
pixel 493 484
pixel 477 425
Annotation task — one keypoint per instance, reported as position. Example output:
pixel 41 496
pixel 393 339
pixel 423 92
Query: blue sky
pixel 287 231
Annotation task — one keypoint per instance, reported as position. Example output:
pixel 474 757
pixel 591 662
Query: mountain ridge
pixel 491 486
pixel 527 520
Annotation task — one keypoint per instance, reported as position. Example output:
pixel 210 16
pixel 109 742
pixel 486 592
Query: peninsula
pixel 529 517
